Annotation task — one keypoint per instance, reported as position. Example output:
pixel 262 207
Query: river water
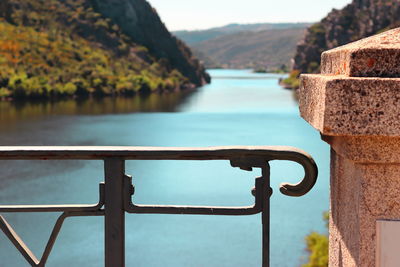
pixel 238 108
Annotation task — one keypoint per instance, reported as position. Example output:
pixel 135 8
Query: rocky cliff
pixel 357 20
pixel 141 22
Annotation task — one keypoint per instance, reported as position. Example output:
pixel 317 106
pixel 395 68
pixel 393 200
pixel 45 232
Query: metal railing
pixel 115 194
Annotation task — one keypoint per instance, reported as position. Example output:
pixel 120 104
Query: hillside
pixel 56 48
pixel 361 18
pixel 193 37
pixel 266 46
pixel 268 49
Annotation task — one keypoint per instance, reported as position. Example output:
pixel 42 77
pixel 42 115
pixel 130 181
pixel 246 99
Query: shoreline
pixel 187 87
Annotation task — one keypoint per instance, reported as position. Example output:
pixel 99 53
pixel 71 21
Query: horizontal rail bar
pixel 245 157
pixel 194 210
pixel 47 208
pixel 57 208
pixel 147 153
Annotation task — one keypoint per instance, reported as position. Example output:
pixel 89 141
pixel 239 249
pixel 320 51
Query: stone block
pixel 355 104
pixel 376 56
pixel 351 106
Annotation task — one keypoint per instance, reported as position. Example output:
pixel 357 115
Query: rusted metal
pixel 114 221
pixel 266 195
pixel 56 208
pixel 130 207
pixel 116 193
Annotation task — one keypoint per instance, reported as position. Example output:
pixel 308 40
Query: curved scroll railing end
pixel 309 180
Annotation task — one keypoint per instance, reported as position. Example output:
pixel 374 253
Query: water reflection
pixel 17 111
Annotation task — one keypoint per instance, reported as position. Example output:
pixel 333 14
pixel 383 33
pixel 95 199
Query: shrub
pixel 69 89
pixel 4 93
pixel 318 247
pixel 293 80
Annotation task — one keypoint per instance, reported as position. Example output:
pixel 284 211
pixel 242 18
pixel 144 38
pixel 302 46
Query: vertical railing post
pixel 265 215
pixel 114 213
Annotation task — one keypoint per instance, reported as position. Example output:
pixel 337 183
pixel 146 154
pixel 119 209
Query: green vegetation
pixel 280 70
pixel 318 247
pixel 260 70
pixel 292 81
pixel 54 49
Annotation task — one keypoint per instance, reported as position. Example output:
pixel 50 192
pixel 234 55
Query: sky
pixel 203 14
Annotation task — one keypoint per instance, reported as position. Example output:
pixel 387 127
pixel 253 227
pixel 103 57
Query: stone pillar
pixel 355 104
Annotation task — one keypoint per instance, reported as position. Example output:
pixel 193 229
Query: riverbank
pixel 72 92
pixel 292 82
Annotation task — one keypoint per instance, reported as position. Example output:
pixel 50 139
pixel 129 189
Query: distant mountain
pixel 56 48
pixel 259 46
pixel 193 37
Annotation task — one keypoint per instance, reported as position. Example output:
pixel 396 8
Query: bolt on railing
pixel 115 194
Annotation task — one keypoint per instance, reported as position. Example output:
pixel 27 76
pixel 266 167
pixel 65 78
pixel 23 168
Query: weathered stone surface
pixel 366 149
pixel 361 194
pixel 364 188
pixel 376 56
pixel 360 118
pixel 340 105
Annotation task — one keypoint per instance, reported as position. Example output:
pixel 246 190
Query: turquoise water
pixel 238 108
